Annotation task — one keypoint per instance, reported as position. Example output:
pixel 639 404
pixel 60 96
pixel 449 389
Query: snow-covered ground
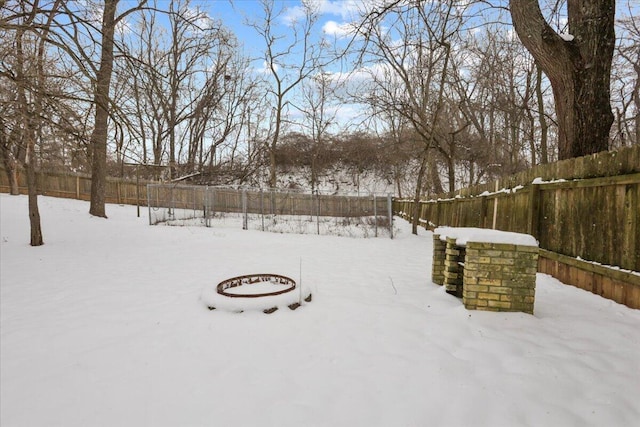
pixel 104 325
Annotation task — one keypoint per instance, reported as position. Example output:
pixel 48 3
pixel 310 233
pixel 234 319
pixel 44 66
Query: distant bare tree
pixel 188 88
pixel 409 68
pixel 288 62
pixel 319 115
pixel 29 24
pixel 626 81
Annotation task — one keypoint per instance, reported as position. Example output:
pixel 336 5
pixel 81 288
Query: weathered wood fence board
pixel 590 210
pixel 78 186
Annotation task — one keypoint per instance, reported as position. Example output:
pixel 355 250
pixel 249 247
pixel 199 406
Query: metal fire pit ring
pixel 250 279
pixel 220 297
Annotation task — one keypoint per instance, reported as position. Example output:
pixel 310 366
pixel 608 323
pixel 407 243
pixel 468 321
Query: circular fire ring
pixel 251 279
pixel 269 292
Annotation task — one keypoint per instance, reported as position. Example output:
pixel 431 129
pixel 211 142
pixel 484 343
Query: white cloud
pixel 335 29
pixel 199 18
pixel 265 68
pixel 345 9
pixel 294 14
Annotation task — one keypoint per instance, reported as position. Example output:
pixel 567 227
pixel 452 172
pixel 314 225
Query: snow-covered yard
pixel 104 326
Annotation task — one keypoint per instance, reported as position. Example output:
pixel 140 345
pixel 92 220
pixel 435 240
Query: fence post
pixel 149 201
pixel 375 214
pixel 495 207
pixel 138 189
pixel 534 211
pixel 262 207
pixel 318 211
pixel 205 207
pixel 390 213
pixel 483 212
pixel 245 217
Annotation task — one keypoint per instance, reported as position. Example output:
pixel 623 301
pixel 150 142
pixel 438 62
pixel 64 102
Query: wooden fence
pixel 585 213
pixel 78 186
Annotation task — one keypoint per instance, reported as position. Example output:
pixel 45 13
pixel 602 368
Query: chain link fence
pixel 271 210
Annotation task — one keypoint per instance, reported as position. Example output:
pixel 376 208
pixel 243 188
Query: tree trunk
pixel 578 67
pixel 274 144
pixel 272 168
pixel 34 212
pixel 636 101
pixel 416 199
pixel 27 135
pixel 11 168
pixel 98 140
pixel 434 176
pixel 7 142
pixel 544 127
pixel 451 173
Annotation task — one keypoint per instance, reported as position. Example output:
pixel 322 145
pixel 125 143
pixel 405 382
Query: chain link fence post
pixel 390 213
pixel 245 214
pixel 375 214
pixel 318 211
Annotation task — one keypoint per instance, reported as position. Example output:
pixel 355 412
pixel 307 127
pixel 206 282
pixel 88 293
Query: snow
pixel 612 267
pixel 463 235
pixel 539 180
pixel 257 288
pixel 566 37
pixel 104 325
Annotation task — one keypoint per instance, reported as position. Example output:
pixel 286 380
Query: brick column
pixel 500 277
pixel 437 267
pixel 452 269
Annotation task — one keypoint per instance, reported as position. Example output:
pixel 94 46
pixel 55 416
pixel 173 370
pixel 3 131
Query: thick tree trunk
pixel 101 101
pixel 435 183
pixel 578 67
pixel 34 212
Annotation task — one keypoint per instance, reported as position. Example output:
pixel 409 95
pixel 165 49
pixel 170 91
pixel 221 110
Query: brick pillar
pixel 500 277
pixel 437 267
pixel 452 269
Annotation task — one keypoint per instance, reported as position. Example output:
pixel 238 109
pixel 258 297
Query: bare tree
pixel 189 89
pixel 73 39
pixel 626 81
pixel 101 99
pixel 319 115
pixel 30 25
pixel 288 62
pixel 408 70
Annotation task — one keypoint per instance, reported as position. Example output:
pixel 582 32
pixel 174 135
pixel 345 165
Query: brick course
pixel 453 271
pixel 499 277
pixel 437 268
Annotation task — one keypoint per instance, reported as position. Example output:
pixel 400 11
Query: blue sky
pixel 234 15
pixel 333 15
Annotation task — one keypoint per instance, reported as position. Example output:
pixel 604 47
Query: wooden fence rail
pixel 78 186
pixel 580 223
